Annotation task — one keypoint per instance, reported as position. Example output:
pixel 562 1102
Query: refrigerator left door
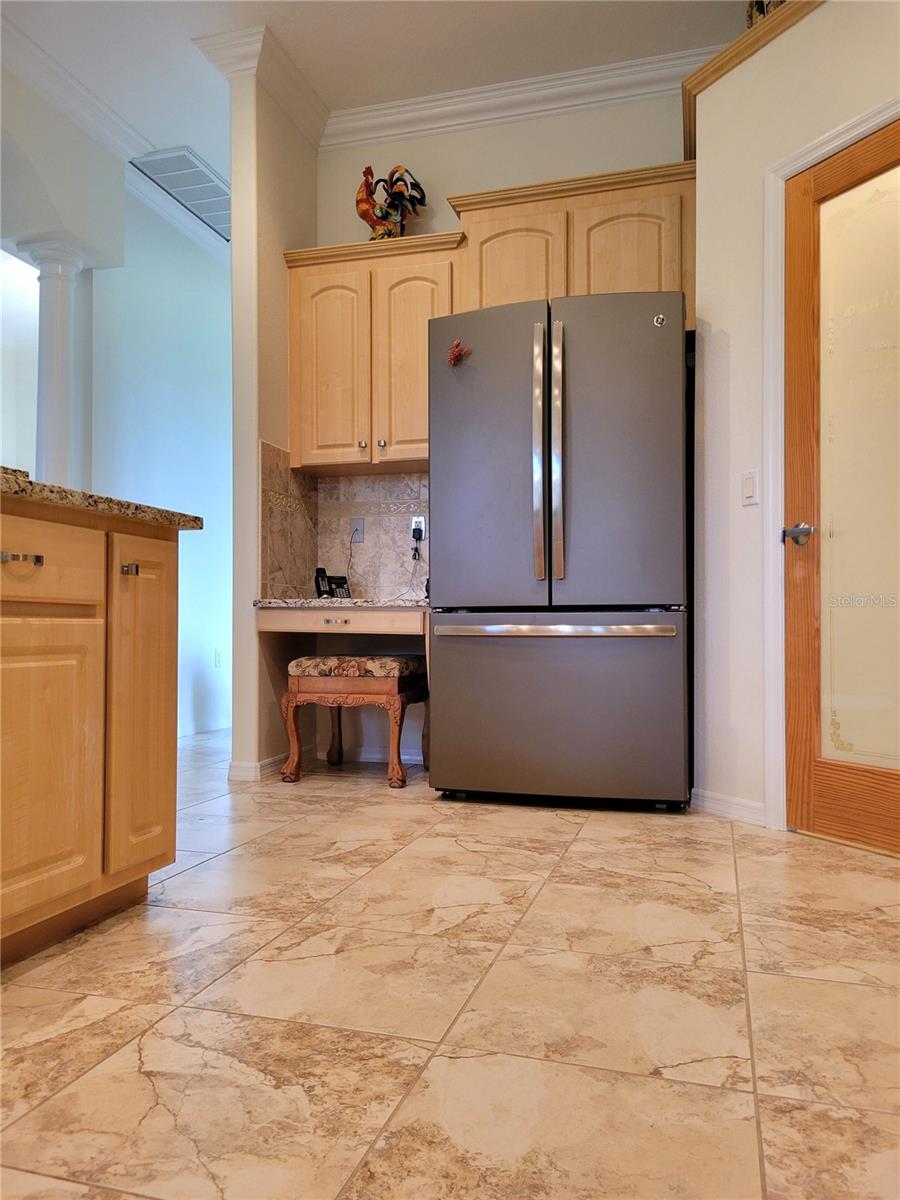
pixel 487 450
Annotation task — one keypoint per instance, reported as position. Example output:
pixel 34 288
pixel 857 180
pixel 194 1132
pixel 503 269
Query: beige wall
pixel 834 65
pixel 57 180
pixel 608 137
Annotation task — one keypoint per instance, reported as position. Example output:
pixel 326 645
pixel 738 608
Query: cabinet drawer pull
pixel 36 560
pixel 362 445
pixel 382 443
pixel 336 621
pixel 131 568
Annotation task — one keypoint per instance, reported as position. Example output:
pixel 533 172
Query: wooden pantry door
pixel 842 466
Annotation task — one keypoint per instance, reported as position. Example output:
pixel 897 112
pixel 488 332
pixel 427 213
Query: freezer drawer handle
pixel 537 452
pixel 556 452
pixel 560 631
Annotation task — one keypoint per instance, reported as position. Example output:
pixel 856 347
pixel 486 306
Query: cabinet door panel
pixel 333 378
pixel 628 245
pixel 52 686
pixel 511 259
pixel 141 701
pixel 404 299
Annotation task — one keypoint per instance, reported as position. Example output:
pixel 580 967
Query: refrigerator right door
pixel 617 450
pixel 590 705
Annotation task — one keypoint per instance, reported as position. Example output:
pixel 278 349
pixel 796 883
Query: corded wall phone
pixel 331 587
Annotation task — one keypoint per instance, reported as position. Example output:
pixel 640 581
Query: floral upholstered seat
pixel 356 666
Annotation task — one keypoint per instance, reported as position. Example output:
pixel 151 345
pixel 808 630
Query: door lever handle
pixel 798 534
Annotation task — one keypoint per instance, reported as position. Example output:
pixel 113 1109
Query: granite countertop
pixel 325 603
pixel 18 483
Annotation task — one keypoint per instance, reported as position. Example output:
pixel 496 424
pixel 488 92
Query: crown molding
pixel 44 75
pixel 167 207
pixel 428 243
pixel 731 56
pixel 583 185
pixel 522 99
pixel 258 52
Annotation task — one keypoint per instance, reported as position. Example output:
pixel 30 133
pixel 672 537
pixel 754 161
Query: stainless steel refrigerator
pixel 559 622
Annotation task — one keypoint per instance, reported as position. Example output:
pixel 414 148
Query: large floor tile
pixel 559 825
pixel 704 868
pixel 154 955
pixel 283 875
pixel 224 826
pixel 50 1038
pixel 492 1127
pixel 22 1185
pixel 395 898
pixel 209 1106
pixel 799 939
pixel 184 860
pixel 832 1042
pixel 635 917
pixel 510 856
pixel 655 828
pixel 398 983
pixel 622 1014
pixel 813 1152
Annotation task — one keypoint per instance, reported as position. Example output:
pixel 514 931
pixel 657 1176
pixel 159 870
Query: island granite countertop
pixel 324 602
pixel 17 483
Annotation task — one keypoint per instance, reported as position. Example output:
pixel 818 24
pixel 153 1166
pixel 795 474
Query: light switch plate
pixel 750 487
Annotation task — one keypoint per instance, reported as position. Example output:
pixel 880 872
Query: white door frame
pixel 775 779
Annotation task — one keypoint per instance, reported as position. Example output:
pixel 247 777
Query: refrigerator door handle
pixel 537 452
pixel 558 631
pixel 556 452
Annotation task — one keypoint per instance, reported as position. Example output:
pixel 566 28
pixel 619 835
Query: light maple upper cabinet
pixel 404 298
pixel 631 244
pixel 628 231
pixel 359 350
pixel 141 745
pixel 513 257
pixel 333 378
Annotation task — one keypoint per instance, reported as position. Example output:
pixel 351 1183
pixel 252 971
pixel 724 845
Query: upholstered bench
pixel 389 681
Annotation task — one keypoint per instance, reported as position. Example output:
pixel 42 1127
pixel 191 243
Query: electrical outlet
pixel 217 658
pixel 418 523
pixel 357 530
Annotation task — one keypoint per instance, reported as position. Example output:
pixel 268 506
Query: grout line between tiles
pixel 760 1149
pixel 413 1084
pixel 108 1187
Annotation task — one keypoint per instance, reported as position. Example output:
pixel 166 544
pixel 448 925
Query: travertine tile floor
pixel 341 990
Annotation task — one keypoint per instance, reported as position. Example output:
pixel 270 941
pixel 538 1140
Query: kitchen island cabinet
pixel 88 667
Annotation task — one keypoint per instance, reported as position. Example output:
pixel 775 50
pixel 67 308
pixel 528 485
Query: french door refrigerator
pixel 558 582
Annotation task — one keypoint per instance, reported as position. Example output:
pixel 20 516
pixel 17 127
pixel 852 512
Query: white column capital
pixel 57 256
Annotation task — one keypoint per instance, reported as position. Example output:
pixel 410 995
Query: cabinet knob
pixel 362 445
pixel 131 568
pixel 382 443
pixel 36 560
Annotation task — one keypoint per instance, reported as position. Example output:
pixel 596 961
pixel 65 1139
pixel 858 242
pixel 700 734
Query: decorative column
pixel 59 409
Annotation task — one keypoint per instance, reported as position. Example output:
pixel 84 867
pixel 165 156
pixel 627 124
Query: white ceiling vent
pixel 193 183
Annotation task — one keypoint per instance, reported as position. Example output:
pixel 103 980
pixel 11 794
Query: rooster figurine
pixel 403 197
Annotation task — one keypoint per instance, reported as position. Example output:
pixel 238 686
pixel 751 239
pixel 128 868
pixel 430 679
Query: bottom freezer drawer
pixel 560 704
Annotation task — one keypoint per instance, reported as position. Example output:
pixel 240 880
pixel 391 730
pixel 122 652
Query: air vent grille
pixel 193 183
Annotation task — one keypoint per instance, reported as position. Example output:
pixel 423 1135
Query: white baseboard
pixel 252 772
pixel 751 812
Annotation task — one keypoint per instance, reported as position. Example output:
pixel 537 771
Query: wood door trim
pixel 808 771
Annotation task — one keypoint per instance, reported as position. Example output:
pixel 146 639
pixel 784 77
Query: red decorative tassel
pixel 457 353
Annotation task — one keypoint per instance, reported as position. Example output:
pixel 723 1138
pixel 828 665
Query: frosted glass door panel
pixel 860 473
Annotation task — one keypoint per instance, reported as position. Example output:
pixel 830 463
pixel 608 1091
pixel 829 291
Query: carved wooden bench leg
pixel 290 772
pixel 336 749
pixel 396 710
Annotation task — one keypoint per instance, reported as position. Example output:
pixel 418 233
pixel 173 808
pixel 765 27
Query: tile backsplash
pixel 305 523
pixel 382 566
pixel 289 524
